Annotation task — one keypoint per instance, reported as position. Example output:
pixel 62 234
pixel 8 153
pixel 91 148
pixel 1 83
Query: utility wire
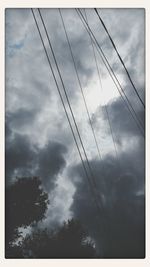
pixel 109 68
pixel 83 96
pixel 81 89
pixel 83 164
pixel 120 58
pixel 72 114
pixel 113 76
pixel 100 83
pixel 105 105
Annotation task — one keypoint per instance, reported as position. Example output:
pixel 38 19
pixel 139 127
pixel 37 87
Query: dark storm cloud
pixel 122 122
pixel 25 159
pixel 51 160
pixel 119 230
pixel 19 157
pixel 22 117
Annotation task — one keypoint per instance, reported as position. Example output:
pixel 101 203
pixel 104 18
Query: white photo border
pixel 67 4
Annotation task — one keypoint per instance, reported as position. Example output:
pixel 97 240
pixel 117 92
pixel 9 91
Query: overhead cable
pixel 83 164
pixel 92 182
pixel 111 73
pixel 120 58
pixel 81 89
pixel 100 83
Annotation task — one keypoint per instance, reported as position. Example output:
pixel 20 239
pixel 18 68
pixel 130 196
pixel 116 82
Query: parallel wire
pixel 81 89
pixel 120 58
pixel 100 82
pixel 94 184
pixel 82 92
pixel 83 164
pixel 109 68
pixel 113 76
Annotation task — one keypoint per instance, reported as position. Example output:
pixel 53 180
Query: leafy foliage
pixel 26 204
pixel 70 241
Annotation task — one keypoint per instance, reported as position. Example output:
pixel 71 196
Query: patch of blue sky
pixel 11 49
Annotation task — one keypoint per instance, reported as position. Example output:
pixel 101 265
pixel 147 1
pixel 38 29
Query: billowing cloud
pixel 123 126
pixel 51 160
pixel 25 159
pixel 19 157
pixel 118 227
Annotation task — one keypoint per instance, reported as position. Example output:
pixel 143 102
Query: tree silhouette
pixel 25 204
pixel 70 241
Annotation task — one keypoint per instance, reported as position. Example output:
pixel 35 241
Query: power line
pixel 120 58
pixel 63 85
pixel 109 68
pixel 81 89
pixel 57 86
pixel 100 82
pixel 111 72
pixel 72 114
pixel 64 88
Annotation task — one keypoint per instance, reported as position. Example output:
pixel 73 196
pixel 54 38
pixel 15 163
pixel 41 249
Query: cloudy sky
pixel 38 138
